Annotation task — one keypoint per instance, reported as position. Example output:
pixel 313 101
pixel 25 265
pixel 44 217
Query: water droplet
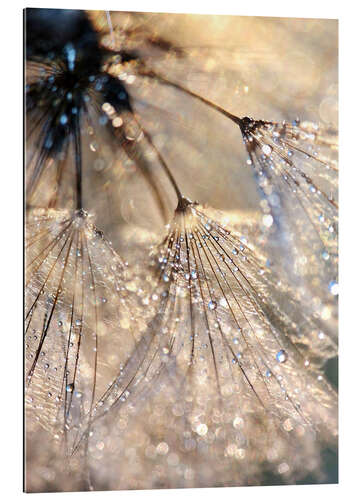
pixel 333 287
pixel 99 164
pixel 283 468
pixel 268 220
pixel 202 429
pixel 212 305
pixel 325 255
pixel 70 388
pixel 103 120
pixel 49 143
pixel 162 448
pixel 281 356
pixel 78 322
pixel 223 302
pixel 117 122
pixel 63 119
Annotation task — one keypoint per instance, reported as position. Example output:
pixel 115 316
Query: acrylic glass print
pixel 181 252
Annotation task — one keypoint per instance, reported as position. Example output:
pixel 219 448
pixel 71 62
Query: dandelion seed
pixel 246 306
pixel 77 349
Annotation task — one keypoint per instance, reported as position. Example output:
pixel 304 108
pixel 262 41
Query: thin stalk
pixel 152 74
pixel 78 162
pixel 166 168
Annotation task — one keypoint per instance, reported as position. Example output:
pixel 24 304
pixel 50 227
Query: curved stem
pixel 165 167
pixel 216 107
pixel 78 162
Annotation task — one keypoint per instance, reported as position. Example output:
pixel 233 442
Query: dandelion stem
pixel 78 162
pixel 152 74
pixel 166 168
